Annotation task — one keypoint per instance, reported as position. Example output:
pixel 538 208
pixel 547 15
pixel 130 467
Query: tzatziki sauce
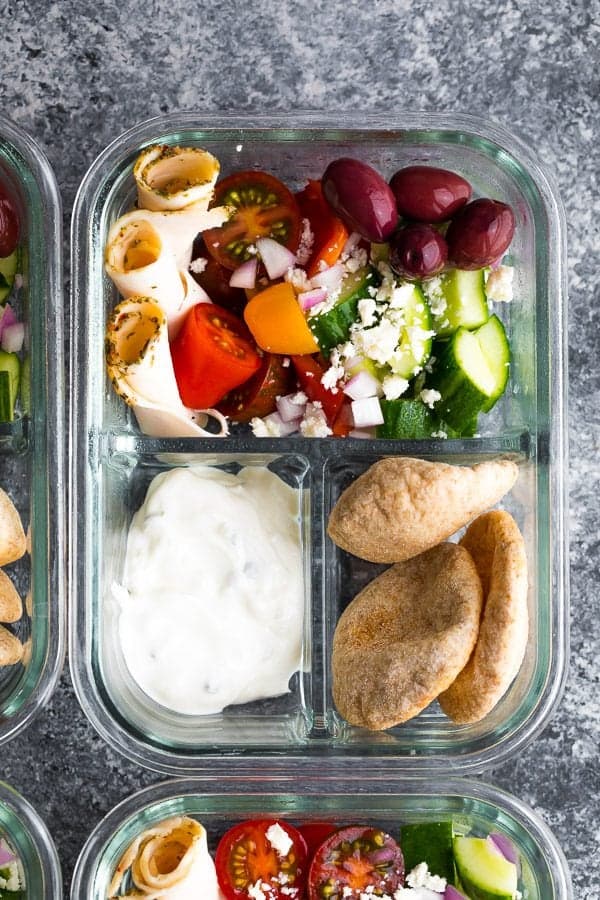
pixel 212 600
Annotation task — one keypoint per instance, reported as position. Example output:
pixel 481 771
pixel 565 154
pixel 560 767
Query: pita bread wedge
pixel 406 637
pixel 498 550
pixel 12 537
pixel 11 648
pixel 401 507
pixel 11 607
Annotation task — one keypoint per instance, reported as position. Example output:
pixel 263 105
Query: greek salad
pixel 353 306
pixel 12 878
pixel 12 332
pixel 271 859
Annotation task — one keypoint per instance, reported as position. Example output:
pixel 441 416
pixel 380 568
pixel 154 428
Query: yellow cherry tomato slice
pixel 277 323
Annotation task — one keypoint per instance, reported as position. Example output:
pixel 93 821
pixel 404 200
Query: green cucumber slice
pixel 463 294
pixel 483 872
pixel 471 373
pixel 408 420
pixel 10 367
pixel 8 270
pixel 333 327
pixel 429 842
pixel 414 349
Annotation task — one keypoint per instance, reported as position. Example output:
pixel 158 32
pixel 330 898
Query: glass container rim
pixel 40 836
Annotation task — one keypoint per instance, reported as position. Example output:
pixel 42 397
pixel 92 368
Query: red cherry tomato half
pixel 363 860
pixel 314 833
pixel 212 354
pixel 263 207
pixel 309 373
pixel 9 223
pixel 250 852
pixel 330 233
pixel 258 396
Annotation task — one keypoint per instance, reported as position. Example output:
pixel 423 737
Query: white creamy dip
pixel 212 611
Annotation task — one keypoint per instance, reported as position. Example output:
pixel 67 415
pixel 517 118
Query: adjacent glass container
pixel 31 841
pixel 112 463
pixel 32 446
pixel 220 802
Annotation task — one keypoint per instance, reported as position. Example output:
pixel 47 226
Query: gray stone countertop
pixel 76 73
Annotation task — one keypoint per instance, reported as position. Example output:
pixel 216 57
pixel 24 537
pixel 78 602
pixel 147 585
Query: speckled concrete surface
pixel 75 73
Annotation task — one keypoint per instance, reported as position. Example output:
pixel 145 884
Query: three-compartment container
pixel 219 803
pixel 29 839
pixel 32 445
pixel 112 464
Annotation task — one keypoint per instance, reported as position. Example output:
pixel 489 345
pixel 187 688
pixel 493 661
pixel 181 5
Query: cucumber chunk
pixel 466 303
pixel 410 419
pixel 414 346
pixel 332 327
pixel 429 842
pixel 483 872
pixel 10 367
pixel 8 270
pixel 471 373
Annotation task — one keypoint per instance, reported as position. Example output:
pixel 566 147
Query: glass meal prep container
pixel 31 446
pixel 31 842
pixel 112 463
pixel 221 802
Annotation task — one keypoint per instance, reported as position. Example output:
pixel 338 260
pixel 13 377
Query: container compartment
pixel 32 843
pixel 473 807
pixel 32 446
pixel 111 459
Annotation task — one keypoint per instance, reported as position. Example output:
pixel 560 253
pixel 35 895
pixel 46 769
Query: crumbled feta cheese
pixel 420 876
pixel 252 249
pixel 238 148
pixel 430 397
pixel 400 295
pixel 432 288
pixel 429 364
pixel 264 428
pixel 356 260
pixel 198 265
pixel 279 839
pixel 439 434
pixel 499 286
pixel 347 350
pixel 299 398
pixel 394 386
pixel 255 891
pixel 298 279
pixel 378 343
pixel 307 240
pixel 314 423
pixel 366 311
pixel 347 891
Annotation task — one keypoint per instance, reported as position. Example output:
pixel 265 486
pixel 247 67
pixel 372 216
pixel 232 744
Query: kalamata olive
pixel 417 251
pixel 479 233
pixel 360 197
pixel 427 194
pixel 9 223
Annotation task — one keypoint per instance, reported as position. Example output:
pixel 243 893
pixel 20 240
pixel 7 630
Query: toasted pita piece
pixel 12 536
pixel 401 507
pixel 406 637
pixel 11 648
pixel 498 550
pixel 11 607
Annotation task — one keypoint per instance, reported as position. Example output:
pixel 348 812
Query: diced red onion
pixel 366 412
pixel 245 275
pixel 288 410
pixel 308 299
pixel 451 893
pixel 362 433
pixel 6 856
pixel 504 846
pixel 7 318
pixel 276 258
pixel 361 385
pixel 285 428
pixel 353 241
pixel 13 337
pixel 330 278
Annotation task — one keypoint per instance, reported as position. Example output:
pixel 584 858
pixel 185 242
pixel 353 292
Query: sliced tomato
pixel 330 233
pixel 215 280
pixel 213 353
pixel 263 207
pixel 258 396
pixel 343 423
pixel 249 854
pixel 354 861
pixel 9 222
pixel 310 373
pixel 314 833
